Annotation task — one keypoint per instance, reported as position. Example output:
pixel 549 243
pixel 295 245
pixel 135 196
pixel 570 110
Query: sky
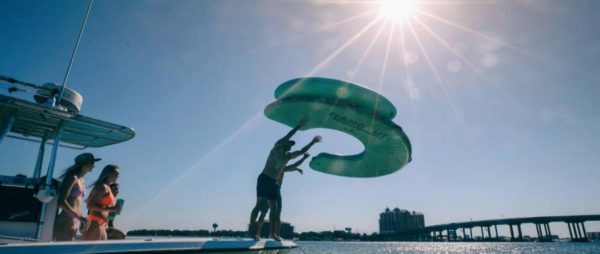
pixel 498 98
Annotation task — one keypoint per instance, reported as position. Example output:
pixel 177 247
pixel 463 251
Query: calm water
pixel 446 248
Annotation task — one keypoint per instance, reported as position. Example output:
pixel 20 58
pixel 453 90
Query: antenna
pixel 87 15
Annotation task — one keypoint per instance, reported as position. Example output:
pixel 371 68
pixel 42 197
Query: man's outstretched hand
pixel 302 121
pixel 317 139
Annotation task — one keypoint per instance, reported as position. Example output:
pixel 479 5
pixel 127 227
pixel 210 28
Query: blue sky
pixel 499 100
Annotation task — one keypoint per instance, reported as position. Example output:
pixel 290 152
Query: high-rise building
pixel 399 221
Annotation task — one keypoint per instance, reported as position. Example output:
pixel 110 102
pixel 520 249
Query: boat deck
pixel 154 245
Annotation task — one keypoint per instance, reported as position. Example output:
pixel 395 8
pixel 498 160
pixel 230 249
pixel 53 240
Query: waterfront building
pixel 399 221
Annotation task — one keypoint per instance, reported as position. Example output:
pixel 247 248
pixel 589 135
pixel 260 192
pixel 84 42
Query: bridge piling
pixel 570 233
pixel 497 237
pixel 482 235
pixel 512 235
pixel 471 233
pixel 580 232
pixel 544 235
pixel 575 237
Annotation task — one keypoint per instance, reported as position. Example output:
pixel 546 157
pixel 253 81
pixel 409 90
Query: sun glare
pixel 399 10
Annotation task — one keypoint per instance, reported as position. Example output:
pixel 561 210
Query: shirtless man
pixel 267 188
pixel 278 203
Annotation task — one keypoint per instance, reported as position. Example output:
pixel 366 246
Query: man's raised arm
pixel 295 129
pixel 296 164
pixel 295 154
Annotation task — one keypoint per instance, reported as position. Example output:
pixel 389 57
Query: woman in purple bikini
pixel 70 198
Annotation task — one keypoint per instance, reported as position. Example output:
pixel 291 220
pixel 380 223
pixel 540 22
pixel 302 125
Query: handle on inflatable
pixel 361 113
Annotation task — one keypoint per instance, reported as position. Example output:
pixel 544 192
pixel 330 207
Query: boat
pixel 26 222
pixel 51 117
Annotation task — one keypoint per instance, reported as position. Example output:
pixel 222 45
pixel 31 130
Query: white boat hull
pixel 153 245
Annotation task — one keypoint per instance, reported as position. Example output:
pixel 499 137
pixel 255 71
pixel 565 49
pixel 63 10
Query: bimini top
pixel 33 121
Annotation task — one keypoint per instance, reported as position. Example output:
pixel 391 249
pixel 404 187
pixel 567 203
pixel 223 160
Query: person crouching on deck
pixel 111 232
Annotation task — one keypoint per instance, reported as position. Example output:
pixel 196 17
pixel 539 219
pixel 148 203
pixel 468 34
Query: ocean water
pixel 444 247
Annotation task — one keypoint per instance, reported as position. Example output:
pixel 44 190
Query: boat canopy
pixel 32 121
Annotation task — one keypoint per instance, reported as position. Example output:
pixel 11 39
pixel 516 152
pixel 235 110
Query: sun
pixel 399 10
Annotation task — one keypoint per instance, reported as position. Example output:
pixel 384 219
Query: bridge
pixel 576 224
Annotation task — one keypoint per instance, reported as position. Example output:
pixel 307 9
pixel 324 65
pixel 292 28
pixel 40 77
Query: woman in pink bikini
pixel 100 203
pixel 70 197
